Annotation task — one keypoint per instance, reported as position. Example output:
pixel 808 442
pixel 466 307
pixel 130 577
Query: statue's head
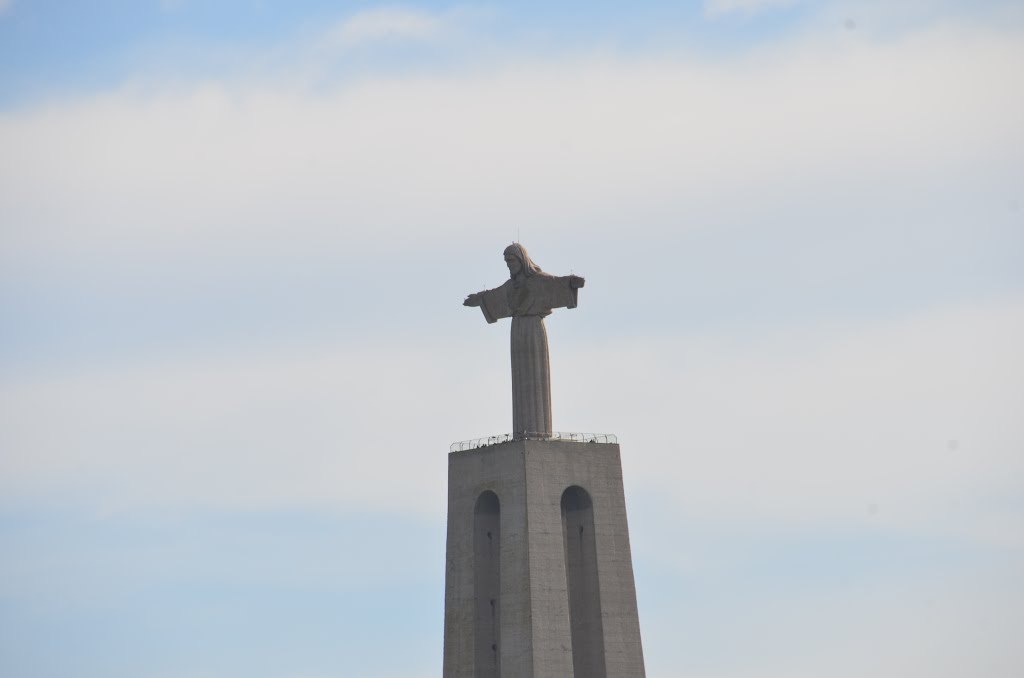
pixel 519 262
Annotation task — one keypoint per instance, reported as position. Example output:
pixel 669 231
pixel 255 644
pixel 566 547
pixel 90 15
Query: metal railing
pixel 464 445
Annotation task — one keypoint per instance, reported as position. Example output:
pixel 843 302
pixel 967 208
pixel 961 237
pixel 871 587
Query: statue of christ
pixel 527 296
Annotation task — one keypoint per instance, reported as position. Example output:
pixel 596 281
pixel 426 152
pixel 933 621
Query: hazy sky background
pixel 235 237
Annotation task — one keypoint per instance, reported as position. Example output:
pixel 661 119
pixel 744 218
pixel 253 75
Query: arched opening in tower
pixel 487 585
pixel 582 583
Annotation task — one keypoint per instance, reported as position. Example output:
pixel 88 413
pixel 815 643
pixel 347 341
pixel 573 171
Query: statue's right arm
pixel 493 303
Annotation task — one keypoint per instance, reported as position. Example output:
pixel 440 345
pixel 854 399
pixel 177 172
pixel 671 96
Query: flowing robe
pixel 527 299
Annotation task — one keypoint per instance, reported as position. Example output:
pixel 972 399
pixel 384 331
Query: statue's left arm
pixel 558 291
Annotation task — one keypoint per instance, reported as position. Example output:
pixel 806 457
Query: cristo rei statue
pixel 527 297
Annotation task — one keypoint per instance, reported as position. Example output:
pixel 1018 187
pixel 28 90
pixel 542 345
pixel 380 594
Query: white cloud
pixel 920 626
pixel 714 8
pixel 390 23
pixel 909 425
pixel 817 427
pixel 258 431
pixel 627 151
pixel 675 138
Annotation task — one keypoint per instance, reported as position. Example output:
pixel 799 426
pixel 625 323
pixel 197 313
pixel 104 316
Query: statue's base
pixel 539 576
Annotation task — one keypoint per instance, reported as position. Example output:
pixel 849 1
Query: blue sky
pixel 234 241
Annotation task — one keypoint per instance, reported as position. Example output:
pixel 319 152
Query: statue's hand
pixel 576 282
pixel 472 300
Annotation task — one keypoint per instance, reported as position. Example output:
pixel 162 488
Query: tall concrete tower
pixel 538 576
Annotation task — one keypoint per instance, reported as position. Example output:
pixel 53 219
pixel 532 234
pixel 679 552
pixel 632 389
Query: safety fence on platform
pixel 463 445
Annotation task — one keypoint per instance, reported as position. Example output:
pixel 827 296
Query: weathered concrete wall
pixel 529 478
pixel 469 475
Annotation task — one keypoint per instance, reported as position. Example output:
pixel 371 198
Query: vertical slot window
pixel 487 585
pixel 582 584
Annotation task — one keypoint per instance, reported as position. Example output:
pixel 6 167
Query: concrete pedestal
pixel 539 576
